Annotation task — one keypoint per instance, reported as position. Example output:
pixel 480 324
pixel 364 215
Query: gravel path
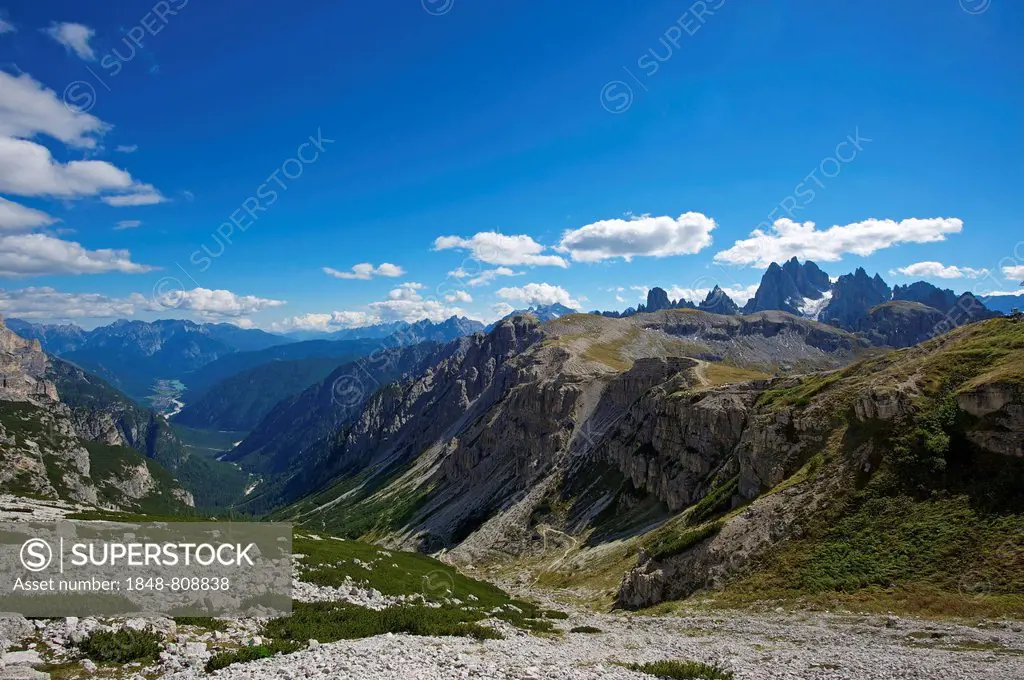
pixel 754 646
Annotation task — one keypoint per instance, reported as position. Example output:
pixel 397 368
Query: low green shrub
pixel 204 622
pixel 717 501
pixel 676 544
pixel 121 646
pixel 682 670
pixel 243 654
pixel 585 629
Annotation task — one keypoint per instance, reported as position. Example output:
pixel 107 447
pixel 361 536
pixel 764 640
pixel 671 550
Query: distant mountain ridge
pixel 855 302
pixel 132 355
pixel 237 391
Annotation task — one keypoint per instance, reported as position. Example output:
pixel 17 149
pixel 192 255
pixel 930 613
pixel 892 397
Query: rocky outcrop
pixel 845 423
pixel 999 407
pixel 23 369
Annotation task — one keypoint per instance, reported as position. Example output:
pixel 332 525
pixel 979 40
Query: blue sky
pixel 575 151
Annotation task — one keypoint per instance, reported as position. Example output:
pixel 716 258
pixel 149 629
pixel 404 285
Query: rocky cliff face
pixel 766 436
pixel 23 369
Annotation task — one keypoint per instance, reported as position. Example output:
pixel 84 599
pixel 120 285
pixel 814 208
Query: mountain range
pixel 699 447
pixel 855 302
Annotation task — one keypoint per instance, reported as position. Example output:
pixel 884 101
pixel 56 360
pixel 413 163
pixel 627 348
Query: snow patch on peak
pixel 812 308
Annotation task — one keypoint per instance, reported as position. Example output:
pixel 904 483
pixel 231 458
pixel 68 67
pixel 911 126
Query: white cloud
pixel 17 217
pixel 502 249
pixel 213 304
pixel 325 322
pixel 28 108
pixel 365 271
pixel 539 294
pixel 639 236
pixel 40 254
pixel 940 271
pixel 1015 272
pixel 75 37
pixel 142 194
pixel 6 26
pixel 50 304
pixel 126 148
pixel 499 311
pixel 29 169
pixel 406 291
pixel 458 296
pixel 789 239
pixel 127 224
pixel 210 305
pixel 484 277
pixel 406 304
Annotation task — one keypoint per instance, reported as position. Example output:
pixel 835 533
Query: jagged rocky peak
pixel 657 300
pixel 853 296
pixel 23 369
pixel 718 302
pixel 789 287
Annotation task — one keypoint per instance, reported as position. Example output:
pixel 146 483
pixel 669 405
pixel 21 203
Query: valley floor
pixel 754 646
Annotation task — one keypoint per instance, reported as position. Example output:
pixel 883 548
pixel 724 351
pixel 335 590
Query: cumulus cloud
pixel 17 217
pixel 6 26
pixel 458 296
pixel 639 236
pixel 365 271
pixel 501 249
pixel 939 271
pixel 74 37
pixel 28 108
pixel 484 277
pixel 406 304
pixel 52 305
pixel 29 169
pixel 1014 272
pixel 539 294
pixel 213 304
pixel 406 291
pixel 46 303
pixel 127 224
pixel 789 239
pixel 499 311
pixel 326 323
pixel 41 254
pixel 126 148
